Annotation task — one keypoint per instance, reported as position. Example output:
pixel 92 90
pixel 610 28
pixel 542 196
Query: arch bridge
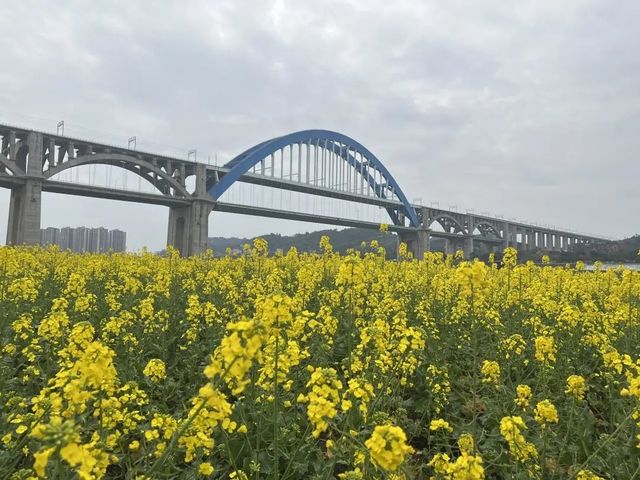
pixel 321 163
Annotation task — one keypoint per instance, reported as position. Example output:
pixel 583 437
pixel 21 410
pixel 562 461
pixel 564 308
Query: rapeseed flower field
pixel 316 366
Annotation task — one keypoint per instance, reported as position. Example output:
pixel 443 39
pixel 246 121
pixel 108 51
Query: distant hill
pixel 342 240
pixel 617 251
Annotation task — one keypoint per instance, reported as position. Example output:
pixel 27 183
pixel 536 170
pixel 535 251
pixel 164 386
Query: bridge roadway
pixel 29 159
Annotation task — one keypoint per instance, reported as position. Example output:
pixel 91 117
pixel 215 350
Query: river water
pixel 608 266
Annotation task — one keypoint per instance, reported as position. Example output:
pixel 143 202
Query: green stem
pixel 275 407
pixel 544 452
pixel 606 441
pixel 295 452
pixel 160 461
pixel 569 424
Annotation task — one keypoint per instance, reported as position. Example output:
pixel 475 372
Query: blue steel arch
pixel 246 160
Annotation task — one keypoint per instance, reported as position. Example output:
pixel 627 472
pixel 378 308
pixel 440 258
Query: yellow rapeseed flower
pixel 388 447
pixel 545 349
pixel 546 413
pixel 155 370
pixel 576 387
pixel 440 424
pixel 587 475
pixel 523 395
pixel 491 372
pixel 466 443
pixel 511 429
pixel 205 469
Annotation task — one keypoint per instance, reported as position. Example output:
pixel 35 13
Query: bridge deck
pixel 167 174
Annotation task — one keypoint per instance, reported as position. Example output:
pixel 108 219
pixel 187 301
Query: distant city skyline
pixel 84 239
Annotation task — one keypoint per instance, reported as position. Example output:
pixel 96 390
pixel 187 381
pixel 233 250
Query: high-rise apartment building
pixel 49 236
pixel 83 239
pixel 80 240
pixel 118 240
pixel 98 240
pixel 65 238
pixel 103 239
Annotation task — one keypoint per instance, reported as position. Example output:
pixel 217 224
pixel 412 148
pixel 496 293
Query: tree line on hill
pixel 624 251
pixel 352 238
pixel 342 240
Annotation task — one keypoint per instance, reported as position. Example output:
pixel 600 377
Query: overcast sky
pixel 530 109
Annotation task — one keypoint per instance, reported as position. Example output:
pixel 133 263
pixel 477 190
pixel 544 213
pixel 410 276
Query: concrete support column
pixel 506 236
pixel 449 248
pixel 468 247
pixel 468 241
pixel 417 242
pixel 188 228
pixel 521 243
pixel 25 205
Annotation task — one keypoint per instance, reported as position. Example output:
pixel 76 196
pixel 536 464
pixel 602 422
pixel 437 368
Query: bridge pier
pixel 506 236
pixel 25 205
pixel 468 247
pixel 523 239
pixel 451 246
pixel 468 242
pixel 25 208
pixel 188 228
pixel 417 242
